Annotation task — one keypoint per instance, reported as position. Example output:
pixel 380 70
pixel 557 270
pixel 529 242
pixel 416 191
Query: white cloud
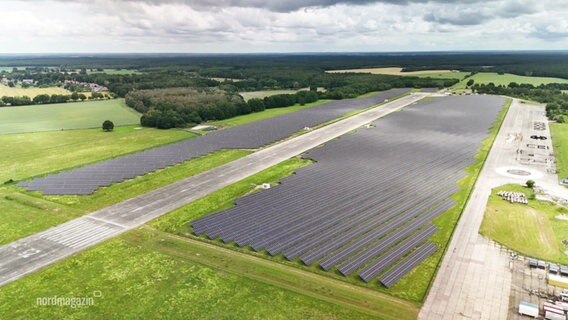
pixel 254 26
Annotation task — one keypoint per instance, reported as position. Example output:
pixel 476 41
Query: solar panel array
pixel 87 179
pixel 370 198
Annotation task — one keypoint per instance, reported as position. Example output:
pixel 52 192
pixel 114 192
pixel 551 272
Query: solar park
pixel 367 204
pixel 87 179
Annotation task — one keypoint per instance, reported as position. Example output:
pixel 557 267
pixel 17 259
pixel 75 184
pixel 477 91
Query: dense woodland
pixel 272 71
pixel 181 107
pixel 552 94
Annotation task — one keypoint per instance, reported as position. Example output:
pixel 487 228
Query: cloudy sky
pixel 29 26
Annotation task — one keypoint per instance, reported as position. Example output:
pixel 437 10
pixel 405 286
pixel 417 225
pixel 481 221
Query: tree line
pixel 552 94
pixel 49 99
pixel 182 107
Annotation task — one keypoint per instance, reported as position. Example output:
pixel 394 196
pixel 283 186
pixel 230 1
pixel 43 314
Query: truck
pixel 528 309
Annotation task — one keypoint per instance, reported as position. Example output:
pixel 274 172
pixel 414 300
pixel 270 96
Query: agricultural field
pixel 30 92
pixel 534 230
pixel 505 79
pixel 395 71
pixel 266 93
pixel 115 71
pixel 65 116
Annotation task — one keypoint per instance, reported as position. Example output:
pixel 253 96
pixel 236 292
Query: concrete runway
pixel 42 249
pixel 474 279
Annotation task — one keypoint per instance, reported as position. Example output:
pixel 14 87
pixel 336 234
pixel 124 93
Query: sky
pixel 239 26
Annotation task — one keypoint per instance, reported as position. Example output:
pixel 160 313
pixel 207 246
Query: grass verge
pixel 534 230
pixel 144 275
pixel 559 132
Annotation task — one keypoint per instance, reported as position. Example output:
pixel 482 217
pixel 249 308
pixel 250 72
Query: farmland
pixel 395 71
pixel 114 71
pixel 535 230
pixel 30 92
pixel 65 116
pixel 505 79
pixel 266 93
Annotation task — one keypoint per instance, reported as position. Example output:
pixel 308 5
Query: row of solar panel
pixel 369 199
pixel 254 135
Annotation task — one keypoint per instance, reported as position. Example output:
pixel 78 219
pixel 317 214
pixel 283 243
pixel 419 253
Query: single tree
pixel 530 183
pixel 75 96
pixel 108 126
pixel 82 97
pixel 470 82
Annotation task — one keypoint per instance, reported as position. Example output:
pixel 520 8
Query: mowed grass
pixel 266 114
pixel 65 116
pixel 505 79
pixel 534 230
pixel 144 275
pixel 24 213
pixel 396 71
pixel 559 133
pixel 30 92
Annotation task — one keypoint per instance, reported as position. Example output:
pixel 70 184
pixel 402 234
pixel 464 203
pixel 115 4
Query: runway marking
pixel 107 221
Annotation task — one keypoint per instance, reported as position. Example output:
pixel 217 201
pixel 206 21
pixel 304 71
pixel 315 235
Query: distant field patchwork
pixel 76 115
pixel 30 92
pixel 115 71
pixel 396 71
pixel 505 79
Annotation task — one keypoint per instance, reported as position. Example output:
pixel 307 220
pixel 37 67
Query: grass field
pixel 146 275
pixel 505 79
pixel 395 71
pixel 560 145
pixel 266 93
pixel 65 116
pixel 30 92
pixel 38 153
pixel 266 114
pixel 533 230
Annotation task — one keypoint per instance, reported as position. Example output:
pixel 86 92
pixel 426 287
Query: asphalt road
pixel 474 279
pixel 40 250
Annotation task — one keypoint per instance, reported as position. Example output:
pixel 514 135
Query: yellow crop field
pixel 30 92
